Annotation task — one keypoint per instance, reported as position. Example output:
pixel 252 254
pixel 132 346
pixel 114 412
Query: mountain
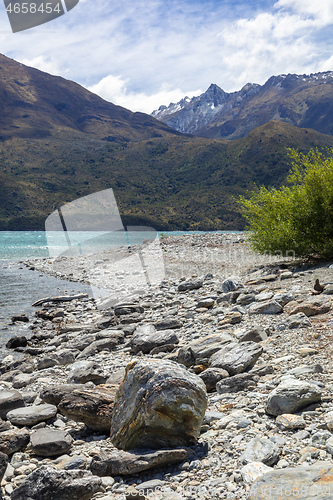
pixel 34 104
pixel 60 142
pixel 300 100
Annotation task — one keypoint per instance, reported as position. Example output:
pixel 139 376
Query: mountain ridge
pixel 300 100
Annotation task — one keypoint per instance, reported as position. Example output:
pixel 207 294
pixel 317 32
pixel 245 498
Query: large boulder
pixel 160 404
pixel 48 483
pixel 236 358
pixel 146 337
pixel 291 396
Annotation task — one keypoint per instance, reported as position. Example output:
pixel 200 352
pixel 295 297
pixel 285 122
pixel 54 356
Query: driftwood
pixel 60 298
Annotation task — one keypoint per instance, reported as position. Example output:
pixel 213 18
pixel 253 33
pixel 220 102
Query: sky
pixel 141 54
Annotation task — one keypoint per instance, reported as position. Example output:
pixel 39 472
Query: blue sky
pixel 144 53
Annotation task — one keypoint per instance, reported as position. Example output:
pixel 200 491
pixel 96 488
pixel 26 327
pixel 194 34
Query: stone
pixel 122 463
pixel 253 470
pixel 289 421
pixel 146 337
pixel 284 298
pixel 306 369
pixel 266 307
pixel 31 415
pixel 255 334
pixel 49 443
pixel 236 358
pixel 200 351
pixel 211 376
pixel 328 417
pixel 24 318
pixel 319 439
pixel 105 344
pixel 167 323
pixel 190 285
pixel 292 395
pixel 85 371
pixel 54 394
pixel 3 464
pixel 13 440
pixel 260 449
pixel 306 482
pixel 299 320
pixel 127 308
pixel 90 406
pixel 10 400
pixel 116 377
pixel 236 383
pixel 159 404
pixel 313 306
pixel 230 285
pixel 17 341
pixel 74 462
pixel 48 483
pixel 4 425
pixel 246 298
pixel 329 445
pixel 22 380
pixel 206 302
pixel 231 318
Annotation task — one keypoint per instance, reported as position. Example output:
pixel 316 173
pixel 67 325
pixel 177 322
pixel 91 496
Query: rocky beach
pixel 215 383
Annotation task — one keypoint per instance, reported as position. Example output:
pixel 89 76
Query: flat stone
pixel 255 334
pixel 85 371
pixel 231 318
pixel 329 445
pixel 159 404
pixel 13 440
pixel 292 395
pixel 90 406
pixel 306 482
pixel 167 323
pixel 48 483
pixel 289 421
pixel 49 443
pixel 260 449
pixel 190 285
pixel 146 337
pixel 10 400
pixel 206 302
pixel 253 471
pixel 236 358
pixel 211 376
pixel 122 463
pixel 200 351
pixel 313 307
pixel 266 307
pixel 54 394
pixel 17 341
pixel 105 344
pixel 236 383
pixel 31 415
pixel 24 318
pixel 74 462
pixel 22 380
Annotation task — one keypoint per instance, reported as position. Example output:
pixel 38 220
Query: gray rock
pixel 239 382
pixel 236 358
pixel 146 337
pixel 68 463
pixel 253 471
pixel 122 463
pixel 49 443
pixel 245 298
pixel 10 400
pixel 319 439
pixel 309 482
pixel 306 369
pixel 266 307
pixel 117 377
pixel 200 351
pixel 32 415
pixel 292 395
pixel 85 371
pixel 190 285
pixel 105 344
pixel 22 380
pixel 329 445
pixel 48 483
pixel 159 404
pixel 289 421
pixel 206 302
pixel 260 449
pixel 211 376
pixel 17 341
pixel 255 334
pixel 54 394
pixel 283 298
pixel 299 320
pixel 166 323
pixel 81 341
pixel 3 464
pixel 230 285
pixel 127 308
pixel 328 289
pixel 13 440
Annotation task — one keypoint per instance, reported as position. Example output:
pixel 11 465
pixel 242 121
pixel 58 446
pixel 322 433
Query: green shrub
pixel 299 217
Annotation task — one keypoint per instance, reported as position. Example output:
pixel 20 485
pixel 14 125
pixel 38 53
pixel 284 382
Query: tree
pixel 297 217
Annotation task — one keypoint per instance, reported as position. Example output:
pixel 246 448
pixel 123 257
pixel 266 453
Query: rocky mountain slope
pixel 34 104
pixel 300 100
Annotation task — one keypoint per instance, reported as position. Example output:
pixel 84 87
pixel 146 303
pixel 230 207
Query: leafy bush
pixel 298 217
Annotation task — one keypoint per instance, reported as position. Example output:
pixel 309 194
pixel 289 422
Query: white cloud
pixel 322 10
pixel 113 89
